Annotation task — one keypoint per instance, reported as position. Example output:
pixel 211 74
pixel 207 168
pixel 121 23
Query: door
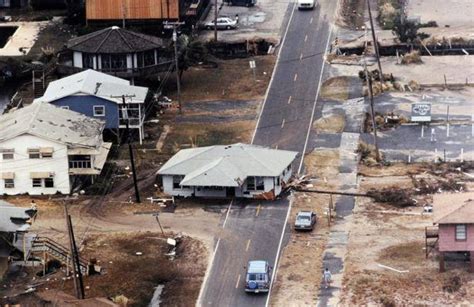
pixel 230 192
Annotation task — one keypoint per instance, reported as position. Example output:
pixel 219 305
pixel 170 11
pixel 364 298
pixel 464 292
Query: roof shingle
pixel 228 166
pixel 115 40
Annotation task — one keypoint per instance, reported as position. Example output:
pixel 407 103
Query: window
pixel 146 58
pixel 288 168
pixel 99 110
pixel 37 182
pixel 34 153
pixel 8 154
pixel 87 60
pixel 278 180
pixel 48 182
pixel 114 62
pixel 65 107
pixel 259 184
pixel 46 152
pixel 9 183
pixel 176 181
pixel 461 232
pixel 251 183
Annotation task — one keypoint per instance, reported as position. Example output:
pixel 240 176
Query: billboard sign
pixel 421 112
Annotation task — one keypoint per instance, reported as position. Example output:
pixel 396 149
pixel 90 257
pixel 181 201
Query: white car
pixel 306 4
pixel 223 23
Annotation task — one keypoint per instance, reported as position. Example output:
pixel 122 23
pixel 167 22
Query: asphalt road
pixel 250 233
pixel 290 104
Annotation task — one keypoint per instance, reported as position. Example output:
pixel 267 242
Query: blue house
pixel 99 95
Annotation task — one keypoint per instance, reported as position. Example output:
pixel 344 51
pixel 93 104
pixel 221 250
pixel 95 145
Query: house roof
pixel 13 219
pixel 457 208
pixel 226 165
pixel 91 82
pixel 46 121
pixel 114 40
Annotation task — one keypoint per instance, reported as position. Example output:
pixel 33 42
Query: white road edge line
pixel 274 71
pixel 275 264
pixel 211 261
pixel 315 101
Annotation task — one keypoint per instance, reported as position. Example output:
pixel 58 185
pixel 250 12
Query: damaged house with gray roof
pixel 45 149
pixel 238 170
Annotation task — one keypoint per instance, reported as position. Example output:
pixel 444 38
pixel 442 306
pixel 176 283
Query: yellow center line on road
pixel 248 245
pixel 238 281
pixel 296 77
pixel 258 209
pixel 305 38
pixel 283 123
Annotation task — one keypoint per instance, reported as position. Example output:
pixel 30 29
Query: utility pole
pixel 374 39
pixel 159 224
pixel 374 126
pixel 215 20
pixel 130 149
pixel 174 26
pixel 76 267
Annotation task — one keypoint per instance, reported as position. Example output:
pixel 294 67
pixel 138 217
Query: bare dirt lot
pixel 114 238
pixel 232 80
pixel 382 234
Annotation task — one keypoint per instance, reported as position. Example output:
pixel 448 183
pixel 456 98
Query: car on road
pixel 305 4
pixel 223 23
pixel 246 3
pixel 305 220
pixel 258 276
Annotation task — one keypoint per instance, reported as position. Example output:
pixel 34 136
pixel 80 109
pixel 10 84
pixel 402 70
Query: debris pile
pixel 397 197
pixel 368 154
pixel 452 284
pixel 402 198
pixel 424 186
pixel 384 121
pixel 413 57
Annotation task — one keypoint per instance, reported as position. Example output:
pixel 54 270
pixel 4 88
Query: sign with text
pixel 421 112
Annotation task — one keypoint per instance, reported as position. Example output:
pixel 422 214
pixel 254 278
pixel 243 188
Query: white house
pixel 237 170
pixel 42 147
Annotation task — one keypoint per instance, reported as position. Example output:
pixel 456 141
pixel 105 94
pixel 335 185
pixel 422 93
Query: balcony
pixel 132 122
pixel 83 164
pixel 67 69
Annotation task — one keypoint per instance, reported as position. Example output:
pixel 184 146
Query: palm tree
pixel 191 52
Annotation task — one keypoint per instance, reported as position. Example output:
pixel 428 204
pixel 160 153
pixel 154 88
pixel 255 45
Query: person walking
pixel 327 277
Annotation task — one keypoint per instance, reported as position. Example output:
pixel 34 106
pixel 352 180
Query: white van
pixel 305 4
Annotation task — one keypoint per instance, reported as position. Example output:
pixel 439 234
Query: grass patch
pixel 336 88
pixel 333 123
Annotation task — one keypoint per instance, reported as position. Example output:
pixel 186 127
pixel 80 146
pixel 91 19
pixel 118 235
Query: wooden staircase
pixel 57 251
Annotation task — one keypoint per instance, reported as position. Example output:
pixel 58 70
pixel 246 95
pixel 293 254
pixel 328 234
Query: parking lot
pixel 264 20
